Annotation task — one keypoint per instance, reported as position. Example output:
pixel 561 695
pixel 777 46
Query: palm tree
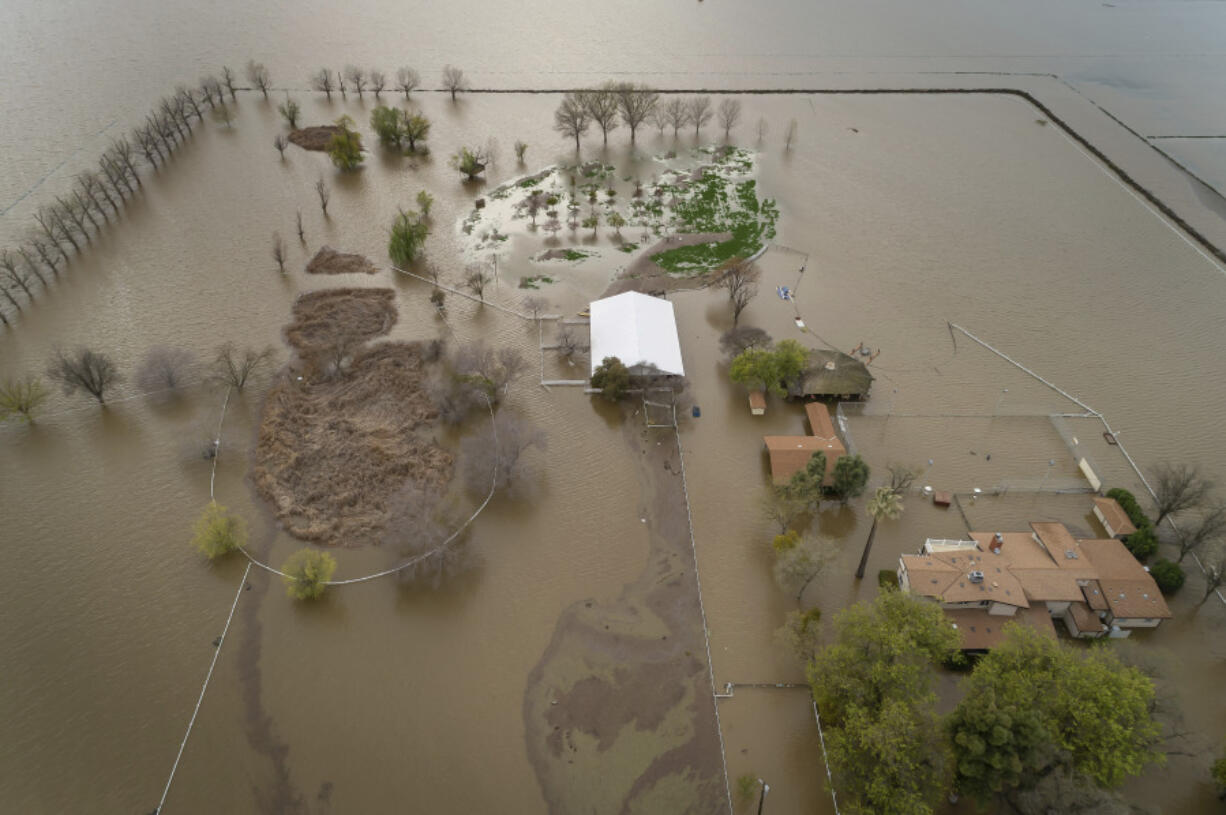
pixel 885 503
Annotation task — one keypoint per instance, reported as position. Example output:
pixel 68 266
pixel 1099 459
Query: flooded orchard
pixel 571 664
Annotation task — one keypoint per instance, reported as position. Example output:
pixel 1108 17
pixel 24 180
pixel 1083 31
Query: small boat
pixel 1109 437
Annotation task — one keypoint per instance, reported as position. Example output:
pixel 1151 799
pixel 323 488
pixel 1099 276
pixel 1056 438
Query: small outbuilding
pixel 638 329
pixel 834 375
pixel 1113 517
pixel 757 403
pixel 790 454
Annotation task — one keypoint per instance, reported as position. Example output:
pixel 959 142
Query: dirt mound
pixel 337 440
pixel 339 319
pixel 331 452
pixel 314 138
pixel 329 261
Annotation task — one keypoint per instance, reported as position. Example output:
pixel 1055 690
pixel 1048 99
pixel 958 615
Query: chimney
pixel 998 540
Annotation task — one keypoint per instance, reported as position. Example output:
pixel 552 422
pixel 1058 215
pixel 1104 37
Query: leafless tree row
pixel 616 103
pixel 67 226
pixel 360 80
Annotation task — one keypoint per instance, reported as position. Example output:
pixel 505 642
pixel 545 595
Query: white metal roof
pixel 636 328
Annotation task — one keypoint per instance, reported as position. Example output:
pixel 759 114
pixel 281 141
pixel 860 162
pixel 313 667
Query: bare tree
pixel 1178 487
pixel 258 76
pixel 228 77
pixel 234 368
pixel 762 128
pixel 571 118
pixel 1215 573
pixel 378 81
pixel 321 80
pixel 659 118
pixel 301 233
pixel 521 147
pixel 741 282
pixel 602 107
pixel 165 370
pixel 84 370
pixel 790 136
pixel 189 100
pixel 429 535
pixel 324 193
pixel 14 275
pixel 678 113
pixel 356 78
pixel 1209 528
pixel 797 566
pixel 729 115
pixel 278 251
pixel 635 103
pixel 567 342
pixel 453 80
pixel 31 265
pixel 340 84
pixel 476 280
pixel 902 477
pixel 407 80
pixel 738 339
pixel 780 507
pixel 699 110
pixel 487 370
pixel 534 305
pixel 499 451
pixel 280 142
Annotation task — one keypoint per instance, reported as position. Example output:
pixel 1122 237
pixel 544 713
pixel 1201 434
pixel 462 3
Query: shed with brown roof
pixel 1113 517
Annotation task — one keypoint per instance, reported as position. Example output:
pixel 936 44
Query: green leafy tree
pixel 22 397
pixel 612 377
pixel 290 111
pixel 387 123
pixel 345 148
pixel 408 236
pixel 791 360
pixel 885 503
pixel 1218 773
pixel 800 633
pixel 756 369
pixel 470 161
pixel 217 532
pixel 424 201
pixel 617 221
pixel 1168 575
pixel 308 572
pixel 873 688
pixel 849 478
pixel 805 485
pixel 416 128
pixel 1093 716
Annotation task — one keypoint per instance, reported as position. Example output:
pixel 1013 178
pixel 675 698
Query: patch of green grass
pixel 628 247
pixel 534 281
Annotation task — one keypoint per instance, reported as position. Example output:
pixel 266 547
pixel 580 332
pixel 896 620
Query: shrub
pixel 746 787
pixel 1143 543
pixel 308 572
pixel 345 148
pixel 1128 502
pixel 1168 575
pixel 786 541
pixel 407 237
pixel 217 532
pixel 887 580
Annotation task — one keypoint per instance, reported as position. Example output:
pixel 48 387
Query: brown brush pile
pixel 317 137
pixel 334 447
pixel 329 261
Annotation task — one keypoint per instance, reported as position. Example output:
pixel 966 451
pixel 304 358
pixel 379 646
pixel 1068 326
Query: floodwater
pixel 913 210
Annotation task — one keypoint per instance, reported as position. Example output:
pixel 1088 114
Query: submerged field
pixel 383 694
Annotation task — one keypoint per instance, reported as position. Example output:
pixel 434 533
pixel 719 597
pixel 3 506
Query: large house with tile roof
pixel 1095 587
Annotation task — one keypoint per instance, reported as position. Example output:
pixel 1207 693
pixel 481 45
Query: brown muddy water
pixel 912 211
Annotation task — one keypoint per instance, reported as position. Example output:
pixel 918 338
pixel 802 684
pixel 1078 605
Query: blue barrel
pixel 696 412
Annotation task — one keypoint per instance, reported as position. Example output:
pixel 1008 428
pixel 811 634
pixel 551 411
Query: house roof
pixel 946 576
pixel 982 631
pixel 819 420
pixel 637 329
pixel 1129 590
pixel 1085 619
pixel 833 373
pixel 790 454
pixel 1114 515
pixel 757 400
pixel 1094 596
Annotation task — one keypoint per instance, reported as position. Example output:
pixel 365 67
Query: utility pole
pixel 762 798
